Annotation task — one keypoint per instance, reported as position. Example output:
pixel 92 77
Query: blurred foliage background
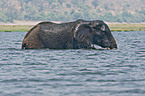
pixel 130 11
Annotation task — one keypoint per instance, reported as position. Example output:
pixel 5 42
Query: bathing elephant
pixel 79 34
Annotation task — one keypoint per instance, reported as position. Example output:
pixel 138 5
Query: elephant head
pixel 94 32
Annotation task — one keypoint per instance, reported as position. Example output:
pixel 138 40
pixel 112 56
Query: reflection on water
pixel 47 72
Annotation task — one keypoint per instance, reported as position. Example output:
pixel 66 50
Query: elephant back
pixel 55 35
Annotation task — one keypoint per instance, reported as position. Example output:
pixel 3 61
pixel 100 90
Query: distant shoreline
pixel 17 22
pixel 20 23
pixel 24 26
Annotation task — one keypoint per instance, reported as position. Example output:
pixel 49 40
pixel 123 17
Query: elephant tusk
pixel 108 48
pixel 92 46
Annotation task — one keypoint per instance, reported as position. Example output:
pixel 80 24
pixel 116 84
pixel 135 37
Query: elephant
pixel 79 34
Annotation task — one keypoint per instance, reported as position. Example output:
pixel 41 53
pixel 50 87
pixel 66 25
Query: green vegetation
pixel 127 27
pixel 113 27
pixel 130 11
pixel 15 28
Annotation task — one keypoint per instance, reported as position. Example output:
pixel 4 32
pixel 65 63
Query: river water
pixel 80 72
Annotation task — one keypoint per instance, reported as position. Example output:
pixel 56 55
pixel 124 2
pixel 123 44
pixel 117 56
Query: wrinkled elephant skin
pixel 72 35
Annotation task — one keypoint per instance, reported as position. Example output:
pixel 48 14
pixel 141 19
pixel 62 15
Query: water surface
pixel 80 72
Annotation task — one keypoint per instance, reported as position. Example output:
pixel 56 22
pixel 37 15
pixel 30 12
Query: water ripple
pixel 99 72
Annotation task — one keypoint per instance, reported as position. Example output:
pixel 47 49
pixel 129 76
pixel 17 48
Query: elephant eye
pixel 103 28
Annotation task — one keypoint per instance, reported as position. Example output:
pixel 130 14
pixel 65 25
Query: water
pixel 47 72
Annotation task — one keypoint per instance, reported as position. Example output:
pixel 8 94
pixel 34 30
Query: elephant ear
pixel 83 35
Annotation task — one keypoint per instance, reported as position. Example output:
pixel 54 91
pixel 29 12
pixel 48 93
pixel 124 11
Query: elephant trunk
pixel 113 43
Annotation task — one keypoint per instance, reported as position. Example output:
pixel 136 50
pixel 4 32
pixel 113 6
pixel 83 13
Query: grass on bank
pixel 127 27
pixel 15 28
pixel 113 27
